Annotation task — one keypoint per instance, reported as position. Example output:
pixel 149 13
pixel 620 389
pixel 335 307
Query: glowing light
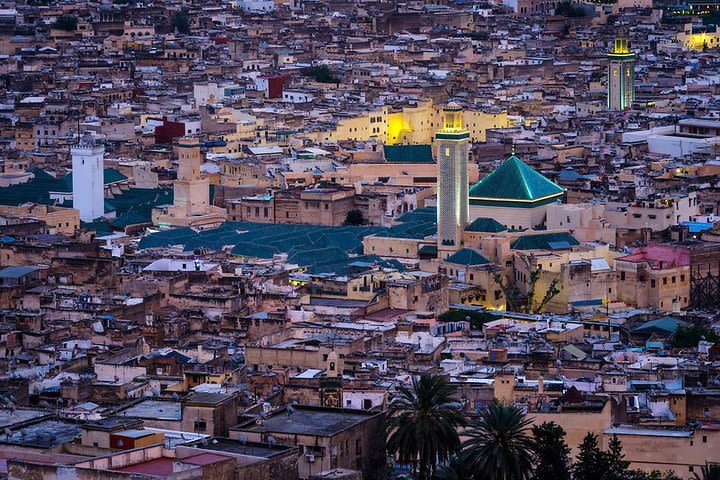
pixel 621 46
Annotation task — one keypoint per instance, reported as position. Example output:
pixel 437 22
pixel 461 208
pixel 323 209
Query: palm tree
pixel 499 447
pixel 422 429
pixel 455 469
pixel 709 471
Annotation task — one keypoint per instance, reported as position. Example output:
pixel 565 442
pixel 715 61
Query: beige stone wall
pixel 678 454
pixel 512 218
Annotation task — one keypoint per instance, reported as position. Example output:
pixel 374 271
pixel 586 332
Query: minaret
pixel 621 76
pixel 452 190
pixel 191 191
pixel 88 178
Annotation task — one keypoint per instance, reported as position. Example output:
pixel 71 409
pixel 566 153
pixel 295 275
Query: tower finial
pixel 512 149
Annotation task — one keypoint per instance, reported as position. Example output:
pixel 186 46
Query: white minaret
pixel 452 191
pixel 88 178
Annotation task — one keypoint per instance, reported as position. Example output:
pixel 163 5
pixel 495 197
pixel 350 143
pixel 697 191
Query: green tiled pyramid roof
pixel 545 241
pixel 514 180
pixel 467 257
pixel 485 224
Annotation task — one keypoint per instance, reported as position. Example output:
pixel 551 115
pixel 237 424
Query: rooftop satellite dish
pixel 242 439
pixel 271 440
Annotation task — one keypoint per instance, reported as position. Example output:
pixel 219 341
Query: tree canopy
pixel 322 74
pixel 66 22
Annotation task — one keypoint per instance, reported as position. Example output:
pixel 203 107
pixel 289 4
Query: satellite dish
pixel 271 440
pixel 242 439
pixel 290 410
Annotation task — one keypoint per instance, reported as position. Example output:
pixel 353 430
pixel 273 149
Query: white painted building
pixel 293 96
pixel 87 178
pixel 257 6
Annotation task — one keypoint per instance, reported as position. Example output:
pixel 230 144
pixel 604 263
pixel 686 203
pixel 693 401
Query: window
pixel 200 426
pixel 652 283
pixel 664 280
pixel 622 276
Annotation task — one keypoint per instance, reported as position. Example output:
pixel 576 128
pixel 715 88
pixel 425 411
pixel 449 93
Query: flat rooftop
pixel 44 434
pixel 251 449
pixel 154 410
pixel 19 415
pixel 312 421
pixel 164 466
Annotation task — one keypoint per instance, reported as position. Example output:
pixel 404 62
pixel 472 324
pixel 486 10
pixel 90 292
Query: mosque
pixel 514 195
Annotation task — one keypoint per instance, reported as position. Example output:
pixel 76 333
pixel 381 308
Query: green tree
pixel 617 466
pixel 181 21
pixel 422 429
pixel 515 301
pixel 499 447
pixel 354 217
pixel 567 9
pixel 552 453
pixel 709 472
pixel 590 460
pixel 455 469
pixel 322 74
pixel 688 337
pixel 654 475
pixel 66 22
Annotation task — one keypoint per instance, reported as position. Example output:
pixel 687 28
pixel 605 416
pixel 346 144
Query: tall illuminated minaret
pixel 621 76
pixel 452 190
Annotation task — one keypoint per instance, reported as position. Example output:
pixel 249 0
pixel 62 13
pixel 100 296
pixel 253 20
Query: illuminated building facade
pixel 452 193
pixel 621 76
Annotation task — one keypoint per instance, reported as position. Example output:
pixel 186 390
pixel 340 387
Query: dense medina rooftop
pixel 260 240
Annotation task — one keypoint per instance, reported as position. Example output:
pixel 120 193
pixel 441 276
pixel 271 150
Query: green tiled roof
pixel 545 241
pixel 408 154
pixel 110 176
pixel 514 180
pixel 321 249
pixel 665 325
pixel 467 256
pixel 485 224
pixel 100 227
pixel 41 174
